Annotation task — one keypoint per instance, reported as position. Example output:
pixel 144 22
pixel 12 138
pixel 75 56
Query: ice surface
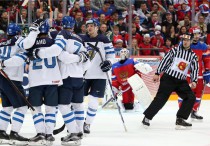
pixel 107 129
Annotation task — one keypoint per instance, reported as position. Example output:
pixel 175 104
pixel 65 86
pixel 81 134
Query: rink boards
pixel 153 61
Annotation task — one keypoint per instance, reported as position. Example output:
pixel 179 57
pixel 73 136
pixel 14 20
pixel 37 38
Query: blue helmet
pixel 44 28
pixel 93 21
pixel 68 22
pixel 13 29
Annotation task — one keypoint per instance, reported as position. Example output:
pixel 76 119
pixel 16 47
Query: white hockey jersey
pixel 44 71
pixel 107 51
pixel 71 45
pixel 15 65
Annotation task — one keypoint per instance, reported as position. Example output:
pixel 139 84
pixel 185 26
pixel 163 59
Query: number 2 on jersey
pixel 47 65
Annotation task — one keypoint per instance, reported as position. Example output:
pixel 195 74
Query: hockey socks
pixel 38 118
pixel 69 118
pixel 5 115
pixel 18 118
pixel 49 119
pixel 92 109
pixel 79 115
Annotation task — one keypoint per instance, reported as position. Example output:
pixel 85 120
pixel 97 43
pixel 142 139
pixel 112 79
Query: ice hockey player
pixel 121 71
pixel 200 49
pixel 10 99
pixel 72 57
pixel 175 66
pixel 44 78
pixel 95 77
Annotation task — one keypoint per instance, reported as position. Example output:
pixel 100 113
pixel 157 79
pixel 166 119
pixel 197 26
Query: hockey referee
pixel 175 66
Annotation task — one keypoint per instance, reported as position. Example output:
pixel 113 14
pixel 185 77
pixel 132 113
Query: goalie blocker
pixel 140 90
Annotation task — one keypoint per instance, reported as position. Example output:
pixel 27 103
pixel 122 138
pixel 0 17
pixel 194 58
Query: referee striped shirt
pixel 177 62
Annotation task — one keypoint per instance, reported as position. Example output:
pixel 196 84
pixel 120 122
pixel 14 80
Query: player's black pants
pixel 169 84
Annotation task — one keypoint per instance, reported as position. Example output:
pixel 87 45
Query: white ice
pixel 107 129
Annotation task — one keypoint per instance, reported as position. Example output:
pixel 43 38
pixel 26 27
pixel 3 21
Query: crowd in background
pixel 157 25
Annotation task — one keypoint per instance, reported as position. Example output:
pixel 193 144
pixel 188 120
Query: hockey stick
pixel 16 89
pixel 118 107
pixel 59 130
pixel 24 3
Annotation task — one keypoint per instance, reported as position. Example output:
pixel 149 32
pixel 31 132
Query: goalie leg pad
pixel 140 90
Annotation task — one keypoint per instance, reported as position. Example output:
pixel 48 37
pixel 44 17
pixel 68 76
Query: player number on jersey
pixel 36 64
pixel 5 52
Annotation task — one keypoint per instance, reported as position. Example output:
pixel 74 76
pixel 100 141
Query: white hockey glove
pixel 143 68
pixel 84 56
pixel 36 24
pixel 2 64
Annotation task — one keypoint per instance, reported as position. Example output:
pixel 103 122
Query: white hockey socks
pixel 69 118
pixel 79 115
pixel 18 118
pixel 92 109
pixel 49 119
pixel 38 118
pixel 5 115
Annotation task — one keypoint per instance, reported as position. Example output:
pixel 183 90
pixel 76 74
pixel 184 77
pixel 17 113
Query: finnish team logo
pixel 91 52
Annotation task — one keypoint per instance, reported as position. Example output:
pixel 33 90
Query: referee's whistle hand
pixel 156 78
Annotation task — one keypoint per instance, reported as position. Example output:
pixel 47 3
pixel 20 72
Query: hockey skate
pixel 49 139
pixel 145 123
pixel 196 117
pixel 16 139
pixel 4 137
pixel 80 135
pixel 39 139
pixel 86 128
pixel 181 124
pixel 71 140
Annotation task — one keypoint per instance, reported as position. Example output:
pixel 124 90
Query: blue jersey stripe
pixel 49 121
pixel 18 120
pixel 68 115
pixel 21 56
pixel 3 112
pixel 60 45
pixel 19 114
pixel 79 112
pixel 79 118
pixel 111 52
pixel 38 121
pixel 61 41
pixel 5 119
pixel 50 115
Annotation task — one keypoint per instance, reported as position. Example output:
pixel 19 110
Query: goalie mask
pixel 124 54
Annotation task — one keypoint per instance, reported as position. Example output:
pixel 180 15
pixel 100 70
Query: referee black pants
pixel 169 84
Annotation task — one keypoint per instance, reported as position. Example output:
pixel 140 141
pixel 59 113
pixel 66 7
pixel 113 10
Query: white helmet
pixel 124 54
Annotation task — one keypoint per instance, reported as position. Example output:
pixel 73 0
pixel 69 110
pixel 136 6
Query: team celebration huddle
pixel 64 68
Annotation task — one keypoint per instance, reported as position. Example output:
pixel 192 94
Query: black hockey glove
pixel 84 56
pixel 106 66
pixel 36 24
pixel 33 54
